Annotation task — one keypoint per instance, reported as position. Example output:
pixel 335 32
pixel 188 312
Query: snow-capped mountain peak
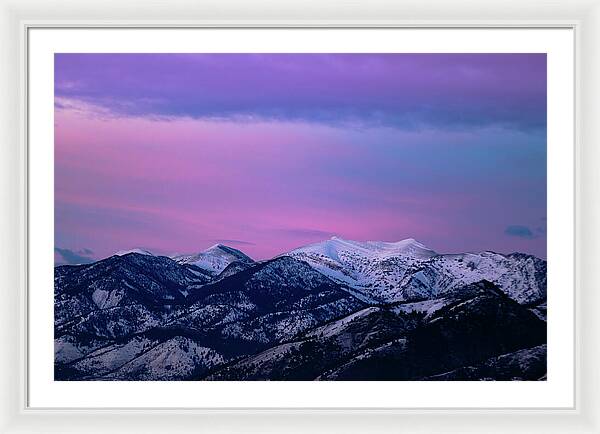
pixel 136 250
pixel 370 267
pixel 214 259
pixel 215 247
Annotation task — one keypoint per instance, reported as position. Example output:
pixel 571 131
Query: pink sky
pixel 267 184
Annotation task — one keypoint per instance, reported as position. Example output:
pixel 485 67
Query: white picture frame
pixel 19 16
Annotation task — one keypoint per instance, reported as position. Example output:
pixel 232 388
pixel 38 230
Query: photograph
pixel 300 217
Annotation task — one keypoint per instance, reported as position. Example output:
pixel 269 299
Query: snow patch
pixel 136 250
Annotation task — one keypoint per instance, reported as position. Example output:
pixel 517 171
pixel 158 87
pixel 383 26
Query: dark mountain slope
pixel 236 315
pixel 528 364
pixel 381 343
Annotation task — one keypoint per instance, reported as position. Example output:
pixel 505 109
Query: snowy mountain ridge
pixel 335 246
pixel 333 310
pixel 407 270
pixel 213 260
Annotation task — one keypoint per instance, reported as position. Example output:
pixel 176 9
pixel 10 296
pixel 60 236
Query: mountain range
pixel 334 310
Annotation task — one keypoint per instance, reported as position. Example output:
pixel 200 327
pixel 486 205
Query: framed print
pixel 308 179
pixel 303 221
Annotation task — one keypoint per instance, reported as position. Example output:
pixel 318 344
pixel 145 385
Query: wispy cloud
pixel 69 257
pixel 519 231
pixel 234 242
pixel 305 232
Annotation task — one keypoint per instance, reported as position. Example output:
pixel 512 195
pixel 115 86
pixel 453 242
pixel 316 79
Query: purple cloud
pixel 399 90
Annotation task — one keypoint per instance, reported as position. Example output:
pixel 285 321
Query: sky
pixel 268 152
